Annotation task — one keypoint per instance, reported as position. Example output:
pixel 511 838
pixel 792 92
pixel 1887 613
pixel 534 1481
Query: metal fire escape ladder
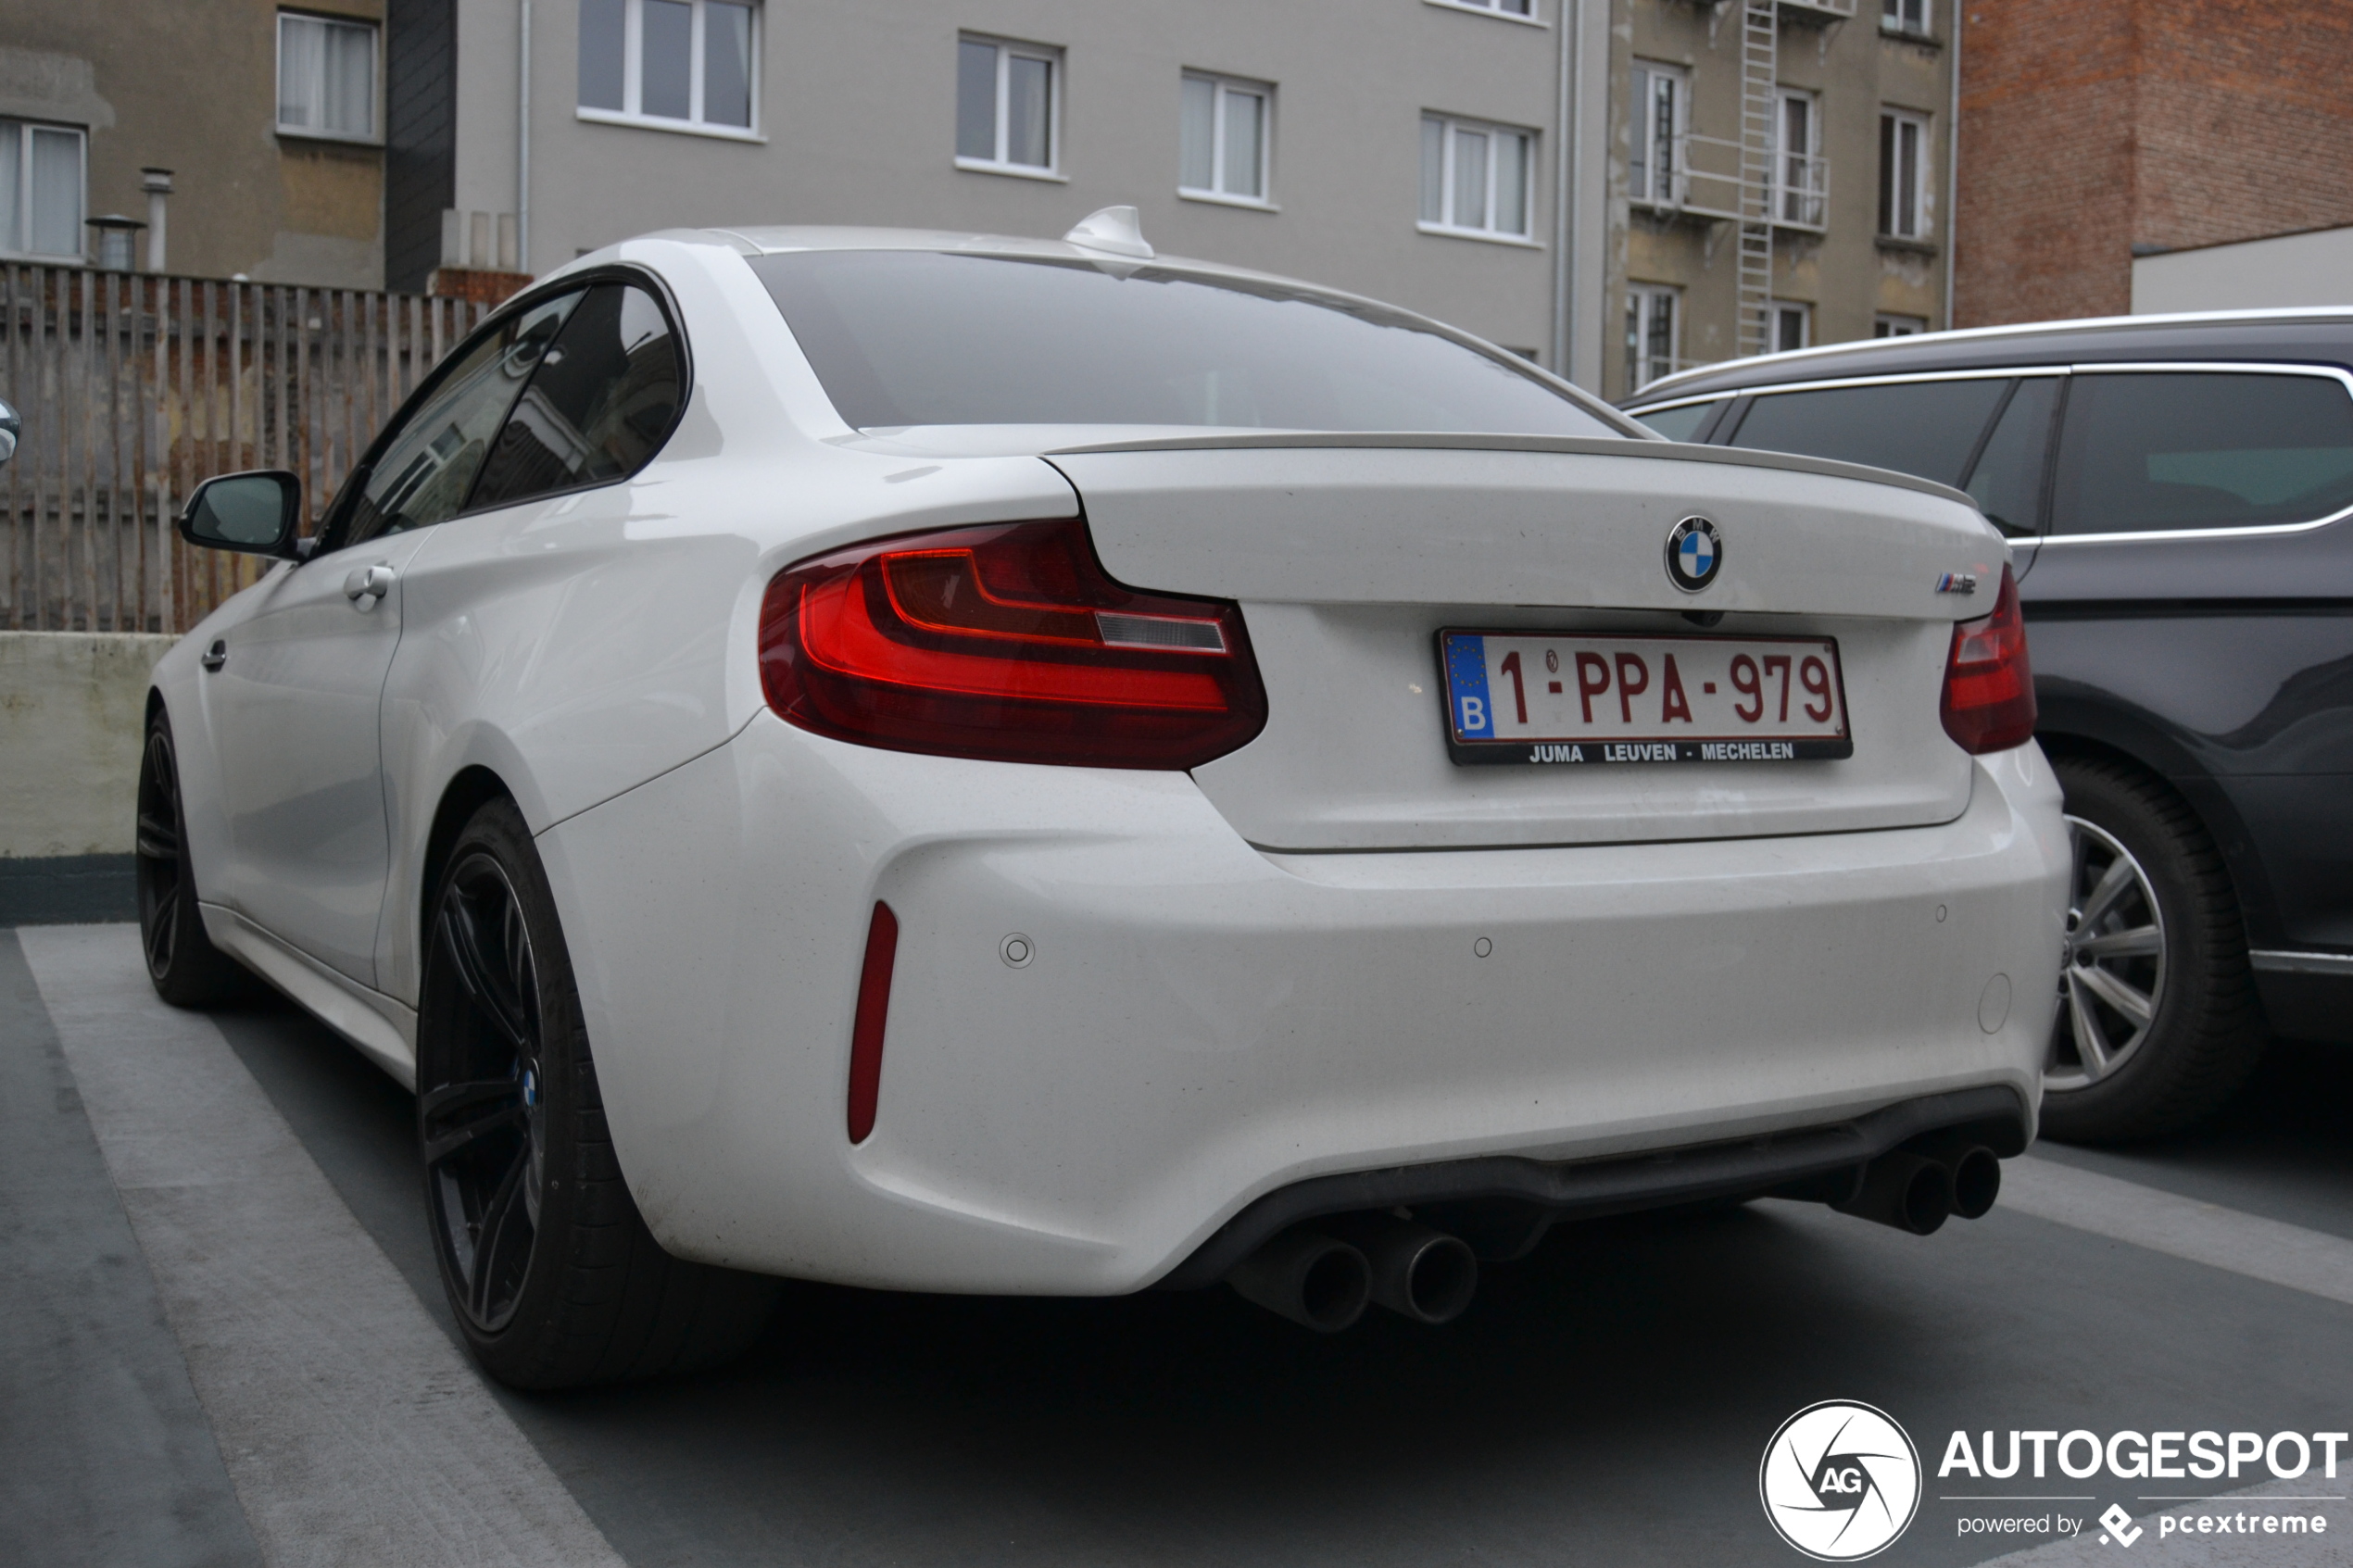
pixel 1760 37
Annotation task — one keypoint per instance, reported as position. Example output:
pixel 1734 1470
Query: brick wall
pixel 2095 126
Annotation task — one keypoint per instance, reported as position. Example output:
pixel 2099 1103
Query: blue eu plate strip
pixel 1466 687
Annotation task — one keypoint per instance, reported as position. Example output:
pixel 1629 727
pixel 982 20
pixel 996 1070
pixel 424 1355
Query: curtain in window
pixel 603 26
pixel 1197 135
pixel 1028 100
pixel 55 209
pixel 1510 185
pixel 976 101
pixel 1245 132
pixel 326 77
pixel 666 54
pixel 1433 172
pixel 726 64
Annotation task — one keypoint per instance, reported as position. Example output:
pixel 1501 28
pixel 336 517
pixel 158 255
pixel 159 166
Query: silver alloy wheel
pixel 2113 975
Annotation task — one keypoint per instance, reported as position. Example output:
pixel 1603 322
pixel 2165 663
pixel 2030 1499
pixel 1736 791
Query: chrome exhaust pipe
pixel 1419 1272
pixel 1904 1190
pixel 1307 1278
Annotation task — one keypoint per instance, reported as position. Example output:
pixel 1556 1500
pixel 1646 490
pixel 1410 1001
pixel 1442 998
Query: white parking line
pixel 354 1432
pixel 2184 1227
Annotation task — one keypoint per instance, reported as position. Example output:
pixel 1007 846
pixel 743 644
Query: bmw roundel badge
pixel 1694 554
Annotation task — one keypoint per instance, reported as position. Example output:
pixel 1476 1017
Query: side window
pixel 1927 428
pixel 1680 424
pixel 604 397
pixel 2152 451
pixel 424 472
pixel 2007 483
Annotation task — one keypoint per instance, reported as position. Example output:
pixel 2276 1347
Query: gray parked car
pixel 2179 493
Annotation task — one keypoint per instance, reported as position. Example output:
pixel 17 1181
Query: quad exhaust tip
pixel 1307 1278
pixel 1917 1190
pixel 1324 1280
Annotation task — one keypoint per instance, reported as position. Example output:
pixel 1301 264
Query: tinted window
pixel 2007 483
pixel 2201 449
pixel 1927 428
pixel 917 337
pixel 603 398
pixel 1678 425
pixel 427 466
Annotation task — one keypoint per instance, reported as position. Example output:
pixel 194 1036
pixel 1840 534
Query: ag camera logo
pixel 1840 1481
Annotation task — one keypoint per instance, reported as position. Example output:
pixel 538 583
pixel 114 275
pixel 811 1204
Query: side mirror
pixel 9 428
pixel 256 513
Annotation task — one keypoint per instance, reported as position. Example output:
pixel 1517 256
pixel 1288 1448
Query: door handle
pixel 215 656
pixel 366 586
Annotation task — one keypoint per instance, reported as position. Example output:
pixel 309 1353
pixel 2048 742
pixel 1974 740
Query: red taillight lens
pixel 1989 690
pixel 1008 642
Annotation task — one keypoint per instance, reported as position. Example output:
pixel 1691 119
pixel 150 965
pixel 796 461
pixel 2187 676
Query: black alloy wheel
pixel 186 969
pixel 484 1124
pixel 550 1269
pixel 2156 1019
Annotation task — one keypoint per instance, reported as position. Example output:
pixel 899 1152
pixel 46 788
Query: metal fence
pixel 135 387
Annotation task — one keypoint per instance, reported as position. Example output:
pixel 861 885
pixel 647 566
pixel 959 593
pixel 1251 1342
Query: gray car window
pixel 1927 428
pixel 426 468
pixel 602 400
pixel 1678 425
pixel 2006 481
pixel 2153 451
pixel 922 338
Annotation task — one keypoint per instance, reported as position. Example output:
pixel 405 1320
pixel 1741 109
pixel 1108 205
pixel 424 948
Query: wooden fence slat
pixel 134 388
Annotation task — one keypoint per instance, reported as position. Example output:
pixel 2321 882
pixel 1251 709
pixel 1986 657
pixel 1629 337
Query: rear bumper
pixel 1202 1024
pixel 1502 1205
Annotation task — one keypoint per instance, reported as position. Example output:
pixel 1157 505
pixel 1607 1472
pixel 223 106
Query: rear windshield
pixel 926 338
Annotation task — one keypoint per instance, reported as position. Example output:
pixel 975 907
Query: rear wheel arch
pixel 469 791
pixel 2198 793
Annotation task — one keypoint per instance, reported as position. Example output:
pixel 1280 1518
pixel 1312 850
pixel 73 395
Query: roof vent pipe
pixel 1114 231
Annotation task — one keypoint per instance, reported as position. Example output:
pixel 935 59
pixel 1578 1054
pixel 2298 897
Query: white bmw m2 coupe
pixel 956 763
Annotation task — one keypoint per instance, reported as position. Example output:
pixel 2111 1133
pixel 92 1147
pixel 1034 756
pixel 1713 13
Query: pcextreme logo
pixel 1840 1481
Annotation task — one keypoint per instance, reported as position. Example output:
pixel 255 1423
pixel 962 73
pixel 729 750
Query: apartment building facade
pixel 2185 124
pixel 218 137
pixel 1778 176
pixel 1419 151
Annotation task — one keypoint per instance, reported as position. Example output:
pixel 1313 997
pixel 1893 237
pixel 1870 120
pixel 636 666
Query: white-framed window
pixel 1905 15
pixel 1788 325
pixel 1475 178
pixel 1008 106
pixel 1524 9
pixel 1801 182
pixel 1654 167
pixel 1884 325
pixel 670 65
pixel 1902 175
pixel 43 171
pixel 1224 147
pixel 1653 332
pixel 326 78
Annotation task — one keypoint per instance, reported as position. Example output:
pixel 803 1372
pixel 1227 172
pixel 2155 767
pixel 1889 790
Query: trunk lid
pixel 1350 554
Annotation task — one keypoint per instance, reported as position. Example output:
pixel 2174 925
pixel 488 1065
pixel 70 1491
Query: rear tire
pixel 553 1277
pixel 188 970
pixel 2158 1019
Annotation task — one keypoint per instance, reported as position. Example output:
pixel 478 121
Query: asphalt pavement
pixel 222 1342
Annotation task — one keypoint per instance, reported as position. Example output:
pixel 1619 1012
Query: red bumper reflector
pixel 873 1012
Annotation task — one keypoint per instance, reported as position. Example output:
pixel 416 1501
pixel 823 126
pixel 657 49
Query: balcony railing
pixel 1706 182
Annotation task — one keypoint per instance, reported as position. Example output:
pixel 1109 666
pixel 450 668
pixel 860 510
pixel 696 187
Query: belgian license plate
pixel 1600 699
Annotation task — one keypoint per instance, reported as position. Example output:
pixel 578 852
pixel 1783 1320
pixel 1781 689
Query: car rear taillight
pixel 1989 690
pixel 1008 642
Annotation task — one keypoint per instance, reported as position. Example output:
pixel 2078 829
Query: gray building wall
pixel 1849 274
pixel 857 122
